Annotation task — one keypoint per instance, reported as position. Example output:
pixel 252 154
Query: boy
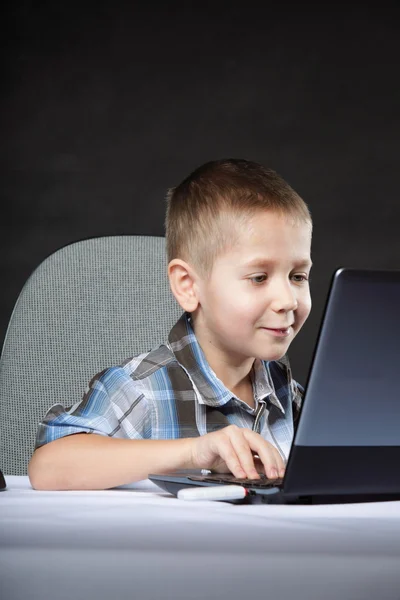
pixel 219 394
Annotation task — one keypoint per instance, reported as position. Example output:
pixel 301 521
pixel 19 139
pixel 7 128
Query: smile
pixel 278 332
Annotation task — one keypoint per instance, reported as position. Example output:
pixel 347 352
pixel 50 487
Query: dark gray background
pixel 103 109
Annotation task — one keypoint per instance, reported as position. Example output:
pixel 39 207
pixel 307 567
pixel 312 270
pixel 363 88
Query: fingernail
pixel 282 473
pixel 274 473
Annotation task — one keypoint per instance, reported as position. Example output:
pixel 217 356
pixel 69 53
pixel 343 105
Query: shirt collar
pixel 263 384
pixel 211 391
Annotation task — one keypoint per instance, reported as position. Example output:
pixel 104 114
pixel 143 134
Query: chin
pixel 276 356
pixel 273 354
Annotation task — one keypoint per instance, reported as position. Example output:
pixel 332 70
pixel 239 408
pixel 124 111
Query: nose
pixel 283 297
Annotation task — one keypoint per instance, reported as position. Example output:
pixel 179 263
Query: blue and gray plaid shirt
pixel 172 392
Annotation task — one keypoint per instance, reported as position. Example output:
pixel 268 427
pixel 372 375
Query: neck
pixel 233 370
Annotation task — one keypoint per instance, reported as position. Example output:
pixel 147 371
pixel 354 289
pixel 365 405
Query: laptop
pixel 3 485
pixel 346 445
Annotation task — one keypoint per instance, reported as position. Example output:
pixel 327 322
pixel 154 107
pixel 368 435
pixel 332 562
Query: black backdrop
pixel 104 108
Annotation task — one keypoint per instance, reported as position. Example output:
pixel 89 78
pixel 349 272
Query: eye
pixel 258 279
pixel 300 277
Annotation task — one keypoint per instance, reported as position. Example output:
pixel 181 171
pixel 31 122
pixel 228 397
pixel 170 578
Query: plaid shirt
pixel 172 392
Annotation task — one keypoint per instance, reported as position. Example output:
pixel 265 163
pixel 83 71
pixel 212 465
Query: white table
pixel 139 542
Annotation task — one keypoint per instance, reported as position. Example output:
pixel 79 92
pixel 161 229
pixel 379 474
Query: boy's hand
pixel 232 449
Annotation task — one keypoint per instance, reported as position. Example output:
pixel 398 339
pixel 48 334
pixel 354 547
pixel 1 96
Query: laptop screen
pixel 353 392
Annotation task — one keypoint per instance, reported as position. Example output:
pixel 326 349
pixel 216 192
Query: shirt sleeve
pixel 114 405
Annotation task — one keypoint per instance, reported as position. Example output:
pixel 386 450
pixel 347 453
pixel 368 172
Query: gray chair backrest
pixel 88 306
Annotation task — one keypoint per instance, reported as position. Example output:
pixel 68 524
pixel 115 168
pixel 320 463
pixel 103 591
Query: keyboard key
pixel 228 478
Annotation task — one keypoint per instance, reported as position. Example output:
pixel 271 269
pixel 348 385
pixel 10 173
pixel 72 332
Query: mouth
pixel 279 331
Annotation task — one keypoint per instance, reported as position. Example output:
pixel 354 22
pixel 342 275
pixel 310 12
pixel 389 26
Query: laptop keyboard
pixel 223 478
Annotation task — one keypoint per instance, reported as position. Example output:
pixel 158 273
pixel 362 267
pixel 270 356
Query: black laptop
pixel 3 485
pixel 346 445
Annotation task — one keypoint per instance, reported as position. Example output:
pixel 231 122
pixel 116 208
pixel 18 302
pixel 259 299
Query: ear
pixel 182 279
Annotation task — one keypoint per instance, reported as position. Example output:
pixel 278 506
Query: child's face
pixel 257 296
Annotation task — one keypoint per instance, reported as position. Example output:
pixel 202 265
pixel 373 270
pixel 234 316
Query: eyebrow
pixel 261 262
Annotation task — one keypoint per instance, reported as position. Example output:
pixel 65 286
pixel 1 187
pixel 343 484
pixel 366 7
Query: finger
pixel 227 452
pixel 272 461
pixel 244 453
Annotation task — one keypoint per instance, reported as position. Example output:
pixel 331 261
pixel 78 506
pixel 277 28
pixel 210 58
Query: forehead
pixel 270 236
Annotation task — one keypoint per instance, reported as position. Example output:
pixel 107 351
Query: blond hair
pixel 203 210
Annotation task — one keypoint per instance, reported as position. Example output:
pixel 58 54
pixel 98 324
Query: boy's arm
pixel 92 461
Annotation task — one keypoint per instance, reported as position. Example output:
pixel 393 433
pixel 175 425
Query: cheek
pixel 227 296
pixel 241 316
pixel 304 308
pixel 229 308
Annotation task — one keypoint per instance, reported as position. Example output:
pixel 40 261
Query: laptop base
pixel 173 482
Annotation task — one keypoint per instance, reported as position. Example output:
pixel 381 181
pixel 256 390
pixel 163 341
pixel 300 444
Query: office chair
pixel 88 306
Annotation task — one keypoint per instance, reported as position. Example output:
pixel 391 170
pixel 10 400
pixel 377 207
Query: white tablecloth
pixel 139 542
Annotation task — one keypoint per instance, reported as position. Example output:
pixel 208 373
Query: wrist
pixel 188 453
